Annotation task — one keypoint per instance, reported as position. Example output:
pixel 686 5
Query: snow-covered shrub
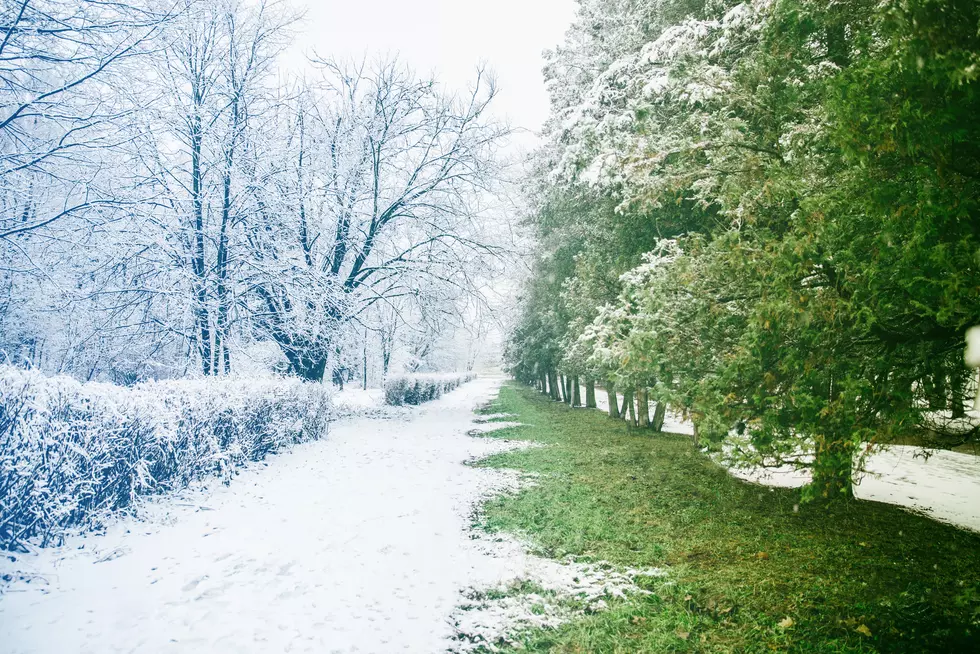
pixel 71 452
pixel 419 388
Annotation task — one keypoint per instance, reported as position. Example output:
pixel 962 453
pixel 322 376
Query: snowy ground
pixel 353 398
pixel 358 543
pixel 943 485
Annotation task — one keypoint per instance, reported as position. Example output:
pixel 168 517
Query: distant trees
pixel 163 187
pixel 792 257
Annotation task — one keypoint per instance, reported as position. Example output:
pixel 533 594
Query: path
pixel 357 543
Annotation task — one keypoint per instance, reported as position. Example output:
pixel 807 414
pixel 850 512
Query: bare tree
pixel 381 199
pixel 59 60
pixel 166 202
pixel 73 277
pixel 216 75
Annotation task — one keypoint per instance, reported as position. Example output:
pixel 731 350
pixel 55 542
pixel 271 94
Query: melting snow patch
pixel 488 427
pixel 490 417
pixel 534 593
pixel 940 484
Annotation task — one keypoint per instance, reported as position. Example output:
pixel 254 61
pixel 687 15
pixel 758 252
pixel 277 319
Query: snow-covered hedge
pixel 70 453
pixel 419 388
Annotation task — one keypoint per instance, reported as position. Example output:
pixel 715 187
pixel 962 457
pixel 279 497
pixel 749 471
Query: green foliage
pixel 803 179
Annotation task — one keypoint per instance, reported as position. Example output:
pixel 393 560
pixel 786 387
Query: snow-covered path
pixel 357 543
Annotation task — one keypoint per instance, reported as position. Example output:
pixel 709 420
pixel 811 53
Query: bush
pixel 70 453
pixel 416 389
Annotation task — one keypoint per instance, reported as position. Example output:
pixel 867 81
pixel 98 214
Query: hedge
pixel 71 453
pixel 419 388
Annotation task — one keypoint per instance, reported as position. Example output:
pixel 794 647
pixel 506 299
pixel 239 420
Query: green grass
pixel 741 558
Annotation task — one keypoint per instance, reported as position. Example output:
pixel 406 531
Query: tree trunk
pixel 553 385
pixel 364 367
pixel 590 394
pixel 613 400
pixel 643 407
pixel 221 268
pixel 629 410
pixel 659 413
pixel 307 366
pixel 935 386
pixel 569 397
pixel 198 263
pixel 957 383
pixel 576 393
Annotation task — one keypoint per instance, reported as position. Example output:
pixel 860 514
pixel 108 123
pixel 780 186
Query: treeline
pixel 765 215
pixel 634 406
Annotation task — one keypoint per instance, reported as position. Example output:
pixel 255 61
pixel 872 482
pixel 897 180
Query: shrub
pixel 419 388
pixel 70 453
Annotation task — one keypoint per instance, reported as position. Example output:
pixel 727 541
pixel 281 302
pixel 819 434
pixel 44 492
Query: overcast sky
pixel 449 38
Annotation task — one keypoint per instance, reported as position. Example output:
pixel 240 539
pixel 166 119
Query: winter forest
pixel 174 204
pixel 658 330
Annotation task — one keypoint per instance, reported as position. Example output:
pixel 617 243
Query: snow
pixel 358 543
pixel 353 399
pixel 362 542
pixel 941 484
pixel 487 427
pixel 561 591
pixel 971 356
pixel 72 453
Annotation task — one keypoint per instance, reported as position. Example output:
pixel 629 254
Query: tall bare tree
pixel 381 202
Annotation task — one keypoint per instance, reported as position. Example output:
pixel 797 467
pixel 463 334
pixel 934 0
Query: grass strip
pixel 751 570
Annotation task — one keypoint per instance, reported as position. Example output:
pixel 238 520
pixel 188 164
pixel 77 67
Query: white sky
pixel 448 38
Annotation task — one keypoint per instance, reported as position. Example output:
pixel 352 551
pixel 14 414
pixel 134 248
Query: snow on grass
pixel 941 484
pixel 532 592
pixel 487 427
pixel 491 417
